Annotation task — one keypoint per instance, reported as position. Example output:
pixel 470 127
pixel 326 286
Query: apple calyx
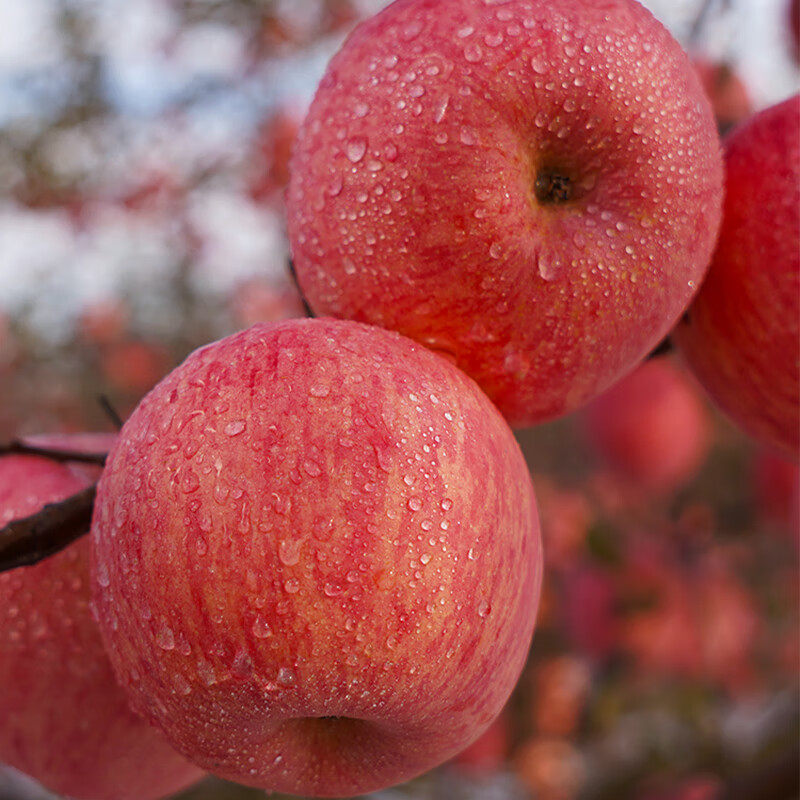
pixel 552 187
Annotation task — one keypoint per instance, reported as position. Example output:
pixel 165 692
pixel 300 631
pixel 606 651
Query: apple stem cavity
pixel 29 540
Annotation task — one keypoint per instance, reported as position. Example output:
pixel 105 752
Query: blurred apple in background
pixel 66 722
pixel 741 335
pixel 532 188
pixel 727 91
pixel 316 558
pixel 653 426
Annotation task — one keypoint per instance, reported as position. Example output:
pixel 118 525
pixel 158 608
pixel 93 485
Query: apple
pixel 66 722
pixel 652 427
pixel 531 187
pixel 727 91
pixel 317 558
pixel 741 335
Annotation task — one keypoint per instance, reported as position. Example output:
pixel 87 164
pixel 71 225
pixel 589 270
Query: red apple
pixel 531 187
pixel 741 336
pixel 317 558
pixel 728 93
pixel 652 427
pixel 66 722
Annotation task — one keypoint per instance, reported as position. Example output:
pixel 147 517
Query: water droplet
pixel 472 555
pixel 539 65
pixel 484 609
pixel 493 39
pixel 289 551
pixel 465 32
pixel 335 186
pixel 101 572
pixel 516 364
pixel 189 481
pixel 414 503
pixel 242 666
pixel 292 585
pixel 548 266
pixel 320 389
pixel 332 589
pixel 165 638
pixel 312 468
pixel 473 53
pixel 446 504
pixel 425 558
pixel 467 136
pixel 356 148
pixel 261 629
pixel 361 110
pixel 235 428
pixel 441 108
pixel 411 31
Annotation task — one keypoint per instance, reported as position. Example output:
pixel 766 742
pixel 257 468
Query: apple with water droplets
pixel 741 335
pixel 317 558
pixel 532 187
pixel 66 722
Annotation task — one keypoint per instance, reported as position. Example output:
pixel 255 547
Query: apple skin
pixel 66 721
pixel 652 427
pixel 423 190
pixel 317 558
pixel 741 334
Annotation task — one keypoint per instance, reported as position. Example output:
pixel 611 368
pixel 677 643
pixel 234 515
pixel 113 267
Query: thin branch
pixel 20 447
pixel 110 411
pixel 28 540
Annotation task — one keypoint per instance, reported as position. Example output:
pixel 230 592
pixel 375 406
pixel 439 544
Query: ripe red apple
pixel 741 336
pixel 727 91
pixel 66 722
pixel 532 187
pixel 652 427
pixel 317 558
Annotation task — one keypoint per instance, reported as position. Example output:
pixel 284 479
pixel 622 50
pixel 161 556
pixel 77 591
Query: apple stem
pixel 28 540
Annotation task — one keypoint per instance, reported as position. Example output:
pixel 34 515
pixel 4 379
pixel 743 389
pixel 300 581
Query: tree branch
pixel 28 540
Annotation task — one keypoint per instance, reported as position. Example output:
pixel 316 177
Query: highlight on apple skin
pixel 741 335
pixel 66 722
pixel 317 558
pixel 532 188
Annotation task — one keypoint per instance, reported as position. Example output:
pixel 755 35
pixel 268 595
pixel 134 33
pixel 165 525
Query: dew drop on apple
pixel 260 628
pixel 332 589
pixel 285 677
pixel 235 427
pixel 414 503
pixel 473 53
pixel 101 573
pixel 165 638
pixel 312 469
pixel 467 137
pixel 539 65
pixel 484 609
pixel 356 149
pixel 292 585
pixel 289 551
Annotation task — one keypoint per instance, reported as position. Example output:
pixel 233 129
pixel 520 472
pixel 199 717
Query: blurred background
pixel 143 159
